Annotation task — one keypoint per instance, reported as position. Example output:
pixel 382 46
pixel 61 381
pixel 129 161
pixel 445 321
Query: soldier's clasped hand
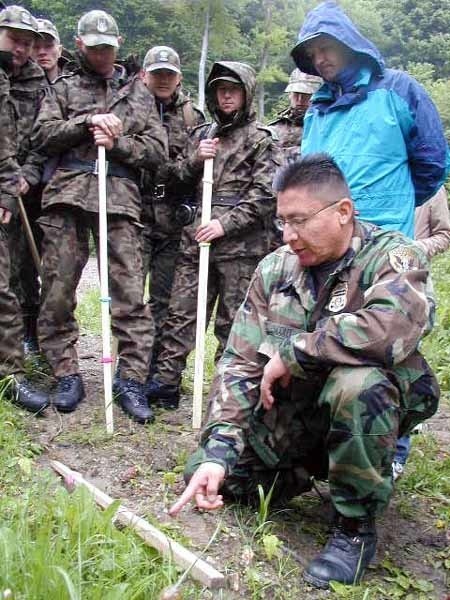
pixel 5 216
pixel 102 139
pixel 209 232
pixel 109 123
pixel 207 149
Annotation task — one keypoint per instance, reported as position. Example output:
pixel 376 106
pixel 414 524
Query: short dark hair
pixel 316 172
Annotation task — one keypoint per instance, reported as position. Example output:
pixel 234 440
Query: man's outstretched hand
pixel 203 488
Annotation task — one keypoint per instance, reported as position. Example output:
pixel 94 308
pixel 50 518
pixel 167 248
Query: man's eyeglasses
pixel 297 222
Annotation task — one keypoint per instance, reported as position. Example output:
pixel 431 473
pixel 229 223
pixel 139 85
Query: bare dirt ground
pixel 142 467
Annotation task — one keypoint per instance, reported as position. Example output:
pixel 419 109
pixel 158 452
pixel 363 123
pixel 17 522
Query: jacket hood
pixel 328 18
pixel 245 74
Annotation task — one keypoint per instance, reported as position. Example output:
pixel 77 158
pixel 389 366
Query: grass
pixel 59 545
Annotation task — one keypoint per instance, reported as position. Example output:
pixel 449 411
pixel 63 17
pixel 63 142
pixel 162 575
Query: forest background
pixel 413 35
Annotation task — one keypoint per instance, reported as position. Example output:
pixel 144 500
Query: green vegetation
pixel 411 35
pixel 88 312
pixel 59 545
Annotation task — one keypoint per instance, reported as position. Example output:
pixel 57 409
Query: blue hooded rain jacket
pixel 381 127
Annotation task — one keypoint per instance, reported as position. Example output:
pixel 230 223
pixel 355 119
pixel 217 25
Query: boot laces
pixel 65 383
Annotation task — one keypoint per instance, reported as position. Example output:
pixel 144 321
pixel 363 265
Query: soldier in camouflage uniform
pixel 97 104
pixel 288 125
pixel 242 210
pixel 47 50
pixel 18 33
pixel 11 327
pixel 162 229
pixel 321 371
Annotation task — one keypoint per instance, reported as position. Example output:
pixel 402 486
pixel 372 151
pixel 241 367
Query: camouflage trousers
pixel 65 251
pixel 228 281
pixel 159 258
pixel 11 328
pixel 342 427
pixel 24 276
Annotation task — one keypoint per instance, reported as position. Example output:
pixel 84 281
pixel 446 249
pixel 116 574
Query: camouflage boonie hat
pixel 97 27
pixel 46 27
pixel 303 83
pixel 17 17
pixel 162 57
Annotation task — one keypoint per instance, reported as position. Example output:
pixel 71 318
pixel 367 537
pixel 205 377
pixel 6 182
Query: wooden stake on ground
pixel 202 298
pixel 199 569
pixel 104 290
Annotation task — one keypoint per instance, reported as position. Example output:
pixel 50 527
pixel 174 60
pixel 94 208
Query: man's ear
pixel 79 43
pixel 346 210
pixel 120 40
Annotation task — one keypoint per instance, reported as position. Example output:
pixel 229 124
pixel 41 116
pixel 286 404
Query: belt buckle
pixel 160 191
pixel 95 171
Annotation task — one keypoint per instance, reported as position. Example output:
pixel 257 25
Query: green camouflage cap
pixel 17 17
pixel 162 57
pixel 97 27
pixel 303 83
pixel 46 27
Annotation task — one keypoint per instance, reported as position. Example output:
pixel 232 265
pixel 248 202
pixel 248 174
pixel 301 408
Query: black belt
pixel 113 169
pixel 219 200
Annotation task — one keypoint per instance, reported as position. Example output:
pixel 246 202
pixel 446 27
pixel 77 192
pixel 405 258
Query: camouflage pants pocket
pixel 364 416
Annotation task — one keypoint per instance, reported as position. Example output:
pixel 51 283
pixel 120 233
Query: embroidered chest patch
pixel 338 298
pixel 402 259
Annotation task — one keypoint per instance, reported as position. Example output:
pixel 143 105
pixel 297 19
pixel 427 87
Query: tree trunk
pixel 202 63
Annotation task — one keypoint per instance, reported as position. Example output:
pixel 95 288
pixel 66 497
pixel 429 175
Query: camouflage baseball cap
pixel 17 17
pixel 46 27
pixel 303 83
pixel 162 57
pixel 97 27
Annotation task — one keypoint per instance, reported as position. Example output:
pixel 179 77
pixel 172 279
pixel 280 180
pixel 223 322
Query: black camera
pixel 185 212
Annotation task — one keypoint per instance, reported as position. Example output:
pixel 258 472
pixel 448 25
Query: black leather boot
pixel 131 396
pixel 163 395
pixel 24 394
pixel 346 555
pixel 69 393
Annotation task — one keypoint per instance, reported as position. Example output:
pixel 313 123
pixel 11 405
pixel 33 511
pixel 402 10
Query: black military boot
pixel 163 395
pixel 30 338
pixel 24 394
pixel 346 555
pixel 69 393
pixel 131 396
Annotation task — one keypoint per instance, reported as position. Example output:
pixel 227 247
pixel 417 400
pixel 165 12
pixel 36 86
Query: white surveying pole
pixel 105 299
pixel 202 298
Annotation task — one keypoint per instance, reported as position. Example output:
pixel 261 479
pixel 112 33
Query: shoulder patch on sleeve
pixel 403 258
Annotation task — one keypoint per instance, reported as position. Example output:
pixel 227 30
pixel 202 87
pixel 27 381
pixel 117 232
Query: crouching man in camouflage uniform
pixel 96 104
pixel 321 372
pixel 288 125
pixel 11 326
pixel 242 207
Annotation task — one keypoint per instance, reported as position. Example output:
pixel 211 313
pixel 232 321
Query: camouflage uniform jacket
pixel 160 195
pixel 62 129
pixel 288 127
pixel 9 168
pixel 372 311
pixel 243 171
pixel 27 90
